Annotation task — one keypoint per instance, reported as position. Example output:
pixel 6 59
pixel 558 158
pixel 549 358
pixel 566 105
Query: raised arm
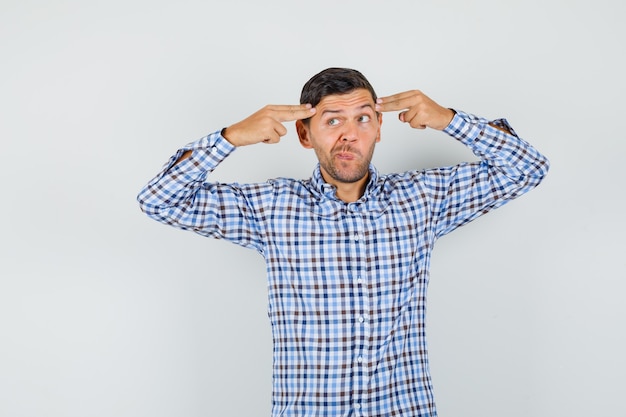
pixel 181 197
pixel 508 166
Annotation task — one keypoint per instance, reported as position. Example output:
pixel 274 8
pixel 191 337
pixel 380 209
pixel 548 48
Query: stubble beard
pixel 351 171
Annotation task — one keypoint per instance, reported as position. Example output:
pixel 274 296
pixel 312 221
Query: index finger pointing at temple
pixel 290 112
pixel 400 101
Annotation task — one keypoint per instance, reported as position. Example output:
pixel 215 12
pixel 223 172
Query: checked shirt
pixel 347 282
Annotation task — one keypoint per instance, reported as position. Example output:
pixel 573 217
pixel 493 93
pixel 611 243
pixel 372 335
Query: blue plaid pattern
pixel 347 282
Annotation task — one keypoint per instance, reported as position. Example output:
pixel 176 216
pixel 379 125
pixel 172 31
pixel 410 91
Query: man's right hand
pixel 266 125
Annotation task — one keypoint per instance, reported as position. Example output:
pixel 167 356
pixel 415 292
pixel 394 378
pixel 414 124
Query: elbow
pixel 146 206
pixel 533 175
pixel 143 206
pixel 541 169
pixel 523 179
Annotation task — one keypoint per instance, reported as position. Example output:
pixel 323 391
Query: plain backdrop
pixel 104 312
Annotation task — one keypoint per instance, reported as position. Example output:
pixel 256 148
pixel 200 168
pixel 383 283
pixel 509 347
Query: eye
pixel 333 122
pixel 365 118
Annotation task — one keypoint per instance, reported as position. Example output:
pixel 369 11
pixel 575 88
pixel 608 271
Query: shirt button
pixel 359 280
pixel 357 406
pixel 361 319
pixel 359 359
pixel 356 237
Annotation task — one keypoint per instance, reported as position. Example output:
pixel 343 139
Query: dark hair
pixel 334 81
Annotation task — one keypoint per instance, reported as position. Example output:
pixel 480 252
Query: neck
pixel 351 195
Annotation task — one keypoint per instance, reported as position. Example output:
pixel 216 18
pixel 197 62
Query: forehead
pixel 354 99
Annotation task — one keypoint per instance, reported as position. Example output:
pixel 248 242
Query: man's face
pixel 343 133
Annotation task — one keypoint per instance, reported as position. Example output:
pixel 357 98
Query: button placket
pixel 361 305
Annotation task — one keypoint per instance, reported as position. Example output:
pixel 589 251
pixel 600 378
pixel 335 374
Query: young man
pixel 347 250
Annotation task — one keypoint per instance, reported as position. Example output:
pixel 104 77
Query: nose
pixel 350 132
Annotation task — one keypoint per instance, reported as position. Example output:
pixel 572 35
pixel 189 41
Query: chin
pixel 350 177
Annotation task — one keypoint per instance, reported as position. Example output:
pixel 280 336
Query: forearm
pixel 168 196
pixel 496 143
pixel 188 152
pixel 508 168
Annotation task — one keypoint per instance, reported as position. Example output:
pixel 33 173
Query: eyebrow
pixel 342 111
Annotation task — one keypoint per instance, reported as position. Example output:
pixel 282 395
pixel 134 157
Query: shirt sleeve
pixel 180 196
pixel 508 167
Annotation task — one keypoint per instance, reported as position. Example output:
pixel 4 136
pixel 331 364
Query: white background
pixel 104 312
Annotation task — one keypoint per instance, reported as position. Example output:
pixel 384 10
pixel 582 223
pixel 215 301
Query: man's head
pixel 344 129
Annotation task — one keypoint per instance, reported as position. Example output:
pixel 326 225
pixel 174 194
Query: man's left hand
pixel 416 109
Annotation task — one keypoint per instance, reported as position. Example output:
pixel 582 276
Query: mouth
pixel 345 156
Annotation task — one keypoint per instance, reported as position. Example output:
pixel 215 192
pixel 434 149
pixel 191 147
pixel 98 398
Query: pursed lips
pixel 346 154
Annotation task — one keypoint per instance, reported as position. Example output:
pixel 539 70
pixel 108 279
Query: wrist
pixel 448 116
pixel 226 134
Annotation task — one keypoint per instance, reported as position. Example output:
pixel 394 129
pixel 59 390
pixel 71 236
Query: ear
pixel 303 134
pixel 380 123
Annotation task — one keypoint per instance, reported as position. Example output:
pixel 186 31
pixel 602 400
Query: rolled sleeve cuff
pixel 206 154
pixel 467 128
